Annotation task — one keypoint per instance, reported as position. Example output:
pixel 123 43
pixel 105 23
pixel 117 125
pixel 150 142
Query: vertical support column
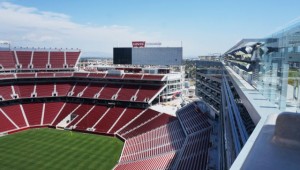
pixel 31 59
pixel 65 57
pixel 48 57
pixel 266 81
pixel 48 65
pixel 295 89
pixel 260 79
pixel 273 82
pixel 16 57
pixel 284 86
pixel 298 96
pixel 65 65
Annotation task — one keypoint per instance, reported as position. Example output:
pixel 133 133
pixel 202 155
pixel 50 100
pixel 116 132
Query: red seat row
pixel 84 90
pixel 163 139
pixel 193 119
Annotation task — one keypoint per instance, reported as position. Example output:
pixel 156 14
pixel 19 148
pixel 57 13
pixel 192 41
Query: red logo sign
pixel 138 43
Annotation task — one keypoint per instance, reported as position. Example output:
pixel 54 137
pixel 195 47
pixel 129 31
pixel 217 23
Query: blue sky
pixel 95 26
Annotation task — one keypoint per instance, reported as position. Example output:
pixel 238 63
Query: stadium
pixel 40 88
pixel 59 110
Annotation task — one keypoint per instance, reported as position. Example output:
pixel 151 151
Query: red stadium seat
pixel 40 59
pixel 57 59
pixel 33 112
pixel 24 58
pixel 7 60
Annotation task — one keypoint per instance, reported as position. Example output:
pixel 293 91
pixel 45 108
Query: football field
pixel 48 149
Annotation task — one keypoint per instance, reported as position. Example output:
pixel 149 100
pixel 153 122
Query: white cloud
pixel 26 26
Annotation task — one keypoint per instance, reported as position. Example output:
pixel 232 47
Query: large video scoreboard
pixel 148 55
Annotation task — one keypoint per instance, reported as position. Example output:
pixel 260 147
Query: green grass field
pixel 47 149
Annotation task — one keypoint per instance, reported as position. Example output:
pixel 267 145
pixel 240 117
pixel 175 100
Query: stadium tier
pixel 139 120
pixel 6 91
pixel 108 120
pixel 38 59
pixel 93 90
pixel 7 60
pixel 91 118
pixel 24 58
pixel 16 115
pixel 66 110
pixel 193 119
pixel 51 109
pixel 166 138
pixel 57 59
pixel 148 134
pixel 159 120
pixel 157 162
pixel 127 116
pixel 44 74
pixel 97 118
pixel 101 91
pixel 34 113
pixel 6 123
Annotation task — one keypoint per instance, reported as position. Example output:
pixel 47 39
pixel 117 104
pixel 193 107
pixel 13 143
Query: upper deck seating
pixel 57 59
pixel 92 90
pixel 127 92
pixel 24 58
pixel 7 60
pixel 109 91
pixel 79 87
pixel 71 58
pixel 40 59
pixel 147 92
